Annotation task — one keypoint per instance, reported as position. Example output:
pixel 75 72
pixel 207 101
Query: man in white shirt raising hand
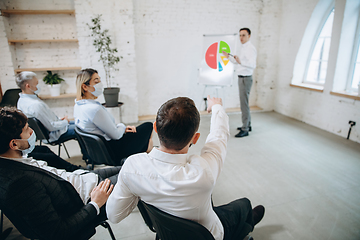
pixel 181 184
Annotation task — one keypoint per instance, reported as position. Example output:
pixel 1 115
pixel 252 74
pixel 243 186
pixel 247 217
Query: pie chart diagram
pixel 214 57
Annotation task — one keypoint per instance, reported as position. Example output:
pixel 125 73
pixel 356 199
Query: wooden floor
pixel 307 179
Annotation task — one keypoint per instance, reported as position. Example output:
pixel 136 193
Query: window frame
pixel 356 46
pixel 325 17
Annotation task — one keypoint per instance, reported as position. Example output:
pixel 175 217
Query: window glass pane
pixel 356 77
pixel 317 68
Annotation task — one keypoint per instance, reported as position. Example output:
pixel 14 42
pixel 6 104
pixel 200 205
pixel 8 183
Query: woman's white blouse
pixel 92 117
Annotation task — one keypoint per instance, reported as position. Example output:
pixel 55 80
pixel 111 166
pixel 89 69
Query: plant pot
pixel 111 96
pixel 54 90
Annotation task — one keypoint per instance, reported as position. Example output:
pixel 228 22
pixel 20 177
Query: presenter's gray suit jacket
pixel 42 204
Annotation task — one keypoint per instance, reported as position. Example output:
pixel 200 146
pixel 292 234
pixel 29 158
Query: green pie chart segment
pixel 224 47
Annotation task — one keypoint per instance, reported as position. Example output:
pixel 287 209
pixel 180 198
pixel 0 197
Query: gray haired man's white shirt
pixel 32 106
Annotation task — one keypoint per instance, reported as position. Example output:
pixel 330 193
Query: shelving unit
pixel 8 12
pixel 14 41
pixel 47 69
pixel 67 95
pixel 28 40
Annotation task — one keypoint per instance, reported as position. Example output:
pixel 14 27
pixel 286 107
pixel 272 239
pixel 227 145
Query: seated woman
pixel 90 116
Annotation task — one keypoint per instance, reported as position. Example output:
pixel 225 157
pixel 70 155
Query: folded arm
pixel 48 118
pixel 106 124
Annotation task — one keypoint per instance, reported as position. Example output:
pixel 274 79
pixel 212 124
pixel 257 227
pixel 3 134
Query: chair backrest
pixel 10 97
pixel 40 130
pixel 95 147
pixel 169 227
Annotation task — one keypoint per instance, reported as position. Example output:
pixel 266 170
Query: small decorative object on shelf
pixel 53 81
pixel 102 42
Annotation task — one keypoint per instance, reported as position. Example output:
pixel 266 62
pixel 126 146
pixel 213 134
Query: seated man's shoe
pixel 242 134
pixel 239 128
pixel 258 214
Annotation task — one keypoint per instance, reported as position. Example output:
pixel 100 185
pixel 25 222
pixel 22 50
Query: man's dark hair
pixel 12 122
pixel 177 121
pixel 245 29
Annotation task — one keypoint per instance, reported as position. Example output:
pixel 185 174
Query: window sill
pixel 310 87
pixel 346 95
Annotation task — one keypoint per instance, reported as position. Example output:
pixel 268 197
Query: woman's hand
pixel 130 129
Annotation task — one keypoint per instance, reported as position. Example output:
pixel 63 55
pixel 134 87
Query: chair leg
pixel 6 233
pixel 66 150
pixel 59 150
pixel 105 224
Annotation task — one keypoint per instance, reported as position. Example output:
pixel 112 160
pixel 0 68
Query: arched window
pixel 317 64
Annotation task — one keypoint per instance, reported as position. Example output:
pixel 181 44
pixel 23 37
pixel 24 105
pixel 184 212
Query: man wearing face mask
pixel 32 106
pixel 53 203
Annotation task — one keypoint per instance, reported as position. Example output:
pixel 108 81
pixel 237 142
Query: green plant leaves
pixel 52 78
pixel 102 42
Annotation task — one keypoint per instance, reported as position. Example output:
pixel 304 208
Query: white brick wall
pixel 169 46
pixel 6 63
pixel 118 18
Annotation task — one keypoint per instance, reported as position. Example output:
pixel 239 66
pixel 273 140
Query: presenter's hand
pixel 237 59
pixel 101 192
pixel 225 54
pixel 212 101
pixel 130 129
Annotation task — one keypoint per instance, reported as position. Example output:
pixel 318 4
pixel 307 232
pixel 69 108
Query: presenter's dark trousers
pixel 245 83
pixel 131 143
pixel 236 218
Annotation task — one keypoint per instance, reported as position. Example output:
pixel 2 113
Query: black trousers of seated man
pixel 112 174
pixel 236 218
pixel 45 154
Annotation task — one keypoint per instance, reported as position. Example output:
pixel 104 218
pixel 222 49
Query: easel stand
pixel 216 89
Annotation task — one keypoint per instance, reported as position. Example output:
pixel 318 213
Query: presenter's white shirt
pixel 92 117
pixel 247 54
pixel 82 180
pixel 32 106
pixel 178 184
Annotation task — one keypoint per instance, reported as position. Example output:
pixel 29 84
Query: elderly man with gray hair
pixel 32 106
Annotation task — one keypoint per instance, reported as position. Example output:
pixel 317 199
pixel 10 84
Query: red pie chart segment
pixel 211 56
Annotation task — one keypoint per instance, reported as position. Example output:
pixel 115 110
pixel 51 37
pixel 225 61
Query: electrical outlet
pixel 352 123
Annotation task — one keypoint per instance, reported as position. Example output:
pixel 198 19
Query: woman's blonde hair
pixel 83 77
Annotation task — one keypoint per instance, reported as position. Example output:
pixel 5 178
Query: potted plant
pixel 102 42
pixel 53 81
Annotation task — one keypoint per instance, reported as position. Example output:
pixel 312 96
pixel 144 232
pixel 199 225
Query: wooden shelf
pixel 8 12
pixel 46 69
pixel 66 95
pixel 13 41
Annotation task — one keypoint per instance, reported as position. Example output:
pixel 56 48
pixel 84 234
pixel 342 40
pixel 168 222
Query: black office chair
pixel 28 232
pixel 11 97
pixel 169 227
pixel 96 148
pixel 43 134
